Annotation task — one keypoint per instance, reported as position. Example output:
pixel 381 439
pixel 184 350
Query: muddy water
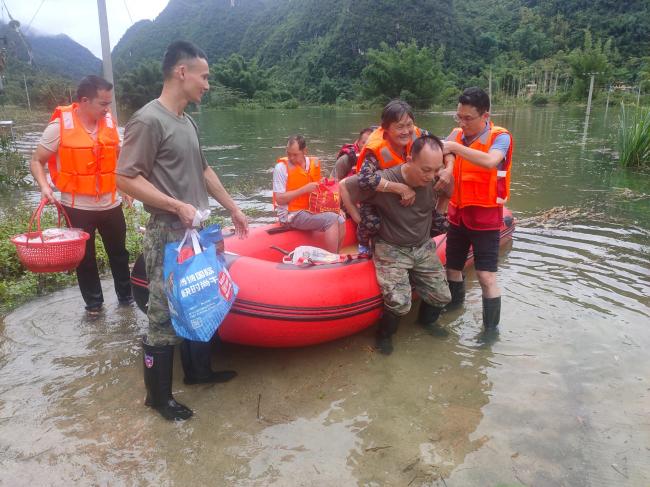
pixel 560 399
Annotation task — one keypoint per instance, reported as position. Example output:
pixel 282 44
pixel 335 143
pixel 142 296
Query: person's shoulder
pixel 149 113
pixel 280 167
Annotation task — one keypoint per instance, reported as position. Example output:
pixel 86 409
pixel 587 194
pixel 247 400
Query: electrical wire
pixel 128 12
pixel 34 16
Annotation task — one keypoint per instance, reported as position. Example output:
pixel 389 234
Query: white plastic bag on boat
pixel 306 254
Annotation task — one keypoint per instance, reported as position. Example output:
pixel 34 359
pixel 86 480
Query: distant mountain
pixel 336 34
pixel 55 55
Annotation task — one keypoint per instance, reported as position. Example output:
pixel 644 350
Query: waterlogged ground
pixel 560 399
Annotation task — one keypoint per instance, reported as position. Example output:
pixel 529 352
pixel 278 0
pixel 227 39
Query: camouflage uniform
pixel 161 230
pixel 395 264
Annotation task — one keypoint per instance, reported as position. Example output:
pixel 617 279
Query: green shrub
pixel 539 100
pixel 634 137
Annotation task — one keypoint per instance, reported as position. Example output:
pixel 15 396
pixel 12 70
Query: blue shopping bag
pixel 199 289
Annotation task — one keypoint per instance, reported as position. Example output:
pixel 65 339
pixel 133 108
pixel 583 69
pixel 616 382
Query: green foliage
pixel 538 100
pixel 634 137
pixel 240 75
pixel 140 85
pixel 592 58
pixel 14 172
pixel 406 71
pixel 17 285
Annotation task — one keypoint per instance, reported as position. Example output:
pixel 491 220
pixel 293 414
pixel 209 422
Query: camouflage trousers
pixel 397 267
pixel 160 231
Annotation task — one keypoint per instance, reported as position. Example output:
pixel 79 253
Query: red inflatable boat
pixel 284 305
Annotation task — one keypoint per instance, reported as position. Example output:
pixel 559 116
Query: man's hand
pixel 186 213
pixel 241 223
pixel 449 147
pixel 311 187
pixel 406 193
pixel 128 200
pixel 48 194
pixel 445 181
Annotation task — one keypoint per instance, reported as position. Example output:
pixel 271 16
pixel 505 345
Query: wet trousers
pixel 398 266
pixel 112 228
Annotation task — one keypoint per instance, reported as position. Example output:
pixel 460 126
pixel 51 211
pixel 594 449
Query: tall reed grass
pixel 634 137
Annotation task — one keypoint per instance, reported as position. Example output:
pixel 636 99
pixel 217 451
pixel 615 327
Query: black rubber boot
pixel 428 317
pixel 158 367
pixel 457 290
pixel 387 327
pixel 196 359
pixel 491 312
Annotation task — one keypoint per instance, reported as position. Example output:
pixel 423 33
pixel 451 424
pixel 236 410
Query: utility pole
pixel 490 84
pixel 106 49
pixel 591 92
pixel 29 105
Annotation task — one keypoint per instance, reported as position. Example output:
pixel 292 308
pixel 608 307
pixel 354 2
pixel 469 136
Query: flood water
pixel 561 399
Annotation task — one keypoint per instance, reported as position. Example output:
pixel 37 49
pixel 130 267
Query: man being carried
pixel 294 178
pixel 162 165
pixel 403 249
pixel 80 146
pixel 481 186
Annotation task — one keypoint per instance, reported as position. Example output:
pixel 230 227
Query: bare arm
pixel 349 205
pixel 286 197
pixel 487 160
pixel 219 193
pixel 37 165
pixel 143 190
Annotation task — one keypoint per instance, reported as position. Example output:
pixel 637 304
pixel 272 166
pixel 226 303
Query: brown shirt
pixel 400 225
pixel 165 149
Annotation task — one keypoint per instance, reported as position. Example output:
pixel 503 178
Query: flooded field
pixel 561 399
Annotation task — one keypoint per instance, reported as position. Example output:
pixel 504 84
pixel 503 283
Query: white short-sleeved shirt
pixel 280 177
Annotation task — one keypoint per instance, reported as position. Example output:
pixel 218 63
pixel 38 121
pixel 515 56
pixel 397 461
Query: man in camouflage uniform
pixel 404 251
pixel 162 165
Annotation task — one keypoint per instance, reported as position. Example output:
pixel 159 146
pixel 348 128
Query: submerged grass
pixel 634 137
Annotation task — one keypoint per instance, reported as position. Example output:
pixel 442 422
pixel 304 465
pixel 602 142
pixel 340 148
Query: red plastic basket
pixel 49 256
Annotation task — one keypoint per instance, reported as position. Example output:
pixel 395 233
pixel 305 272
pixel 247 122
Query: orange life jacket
pixel 86 166
pixel 297 177
pixel 383 151
pixel 479 186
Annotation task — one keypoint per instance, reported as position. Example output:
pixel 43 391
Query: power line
pixel 35 14
pixel 127 11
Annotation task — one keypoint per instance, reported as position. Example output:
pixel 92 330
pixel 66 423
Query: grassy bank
pixel 17 285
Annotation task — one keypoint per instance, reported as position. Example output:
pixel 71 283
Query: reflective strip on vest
pixel 68 120
pixel 502 174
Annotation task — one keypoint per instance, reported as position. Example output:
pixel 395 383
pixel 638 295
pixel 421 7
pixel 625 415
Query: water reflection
pixel 560 399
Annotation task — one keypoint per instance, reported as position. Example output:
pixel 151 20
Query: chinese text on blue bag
pixel 198 286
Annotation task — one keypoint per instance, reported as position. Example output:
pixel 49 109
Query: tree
pixel 593 58
pixel 241 75
pixel 404 70
pixel 140 85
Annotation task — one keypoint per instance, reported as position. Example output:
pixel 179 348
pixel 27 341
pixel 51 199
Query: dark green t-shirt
pixel 400 225
pixel 165 149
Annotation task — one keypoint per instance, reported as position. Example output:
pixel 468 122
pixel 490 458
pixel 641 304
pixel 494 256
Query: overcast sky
pixel 78 18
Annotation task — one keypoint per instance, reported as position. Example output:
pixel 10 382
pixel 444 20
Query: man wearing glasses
pixel 481 186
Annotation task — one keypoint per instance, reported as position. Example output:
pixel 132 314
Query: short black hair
pixel 89 86
pixel 425 140
pixel 477 98
pixel 178 51
pixel 367 130
pixel 299 139
pixel 394 111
